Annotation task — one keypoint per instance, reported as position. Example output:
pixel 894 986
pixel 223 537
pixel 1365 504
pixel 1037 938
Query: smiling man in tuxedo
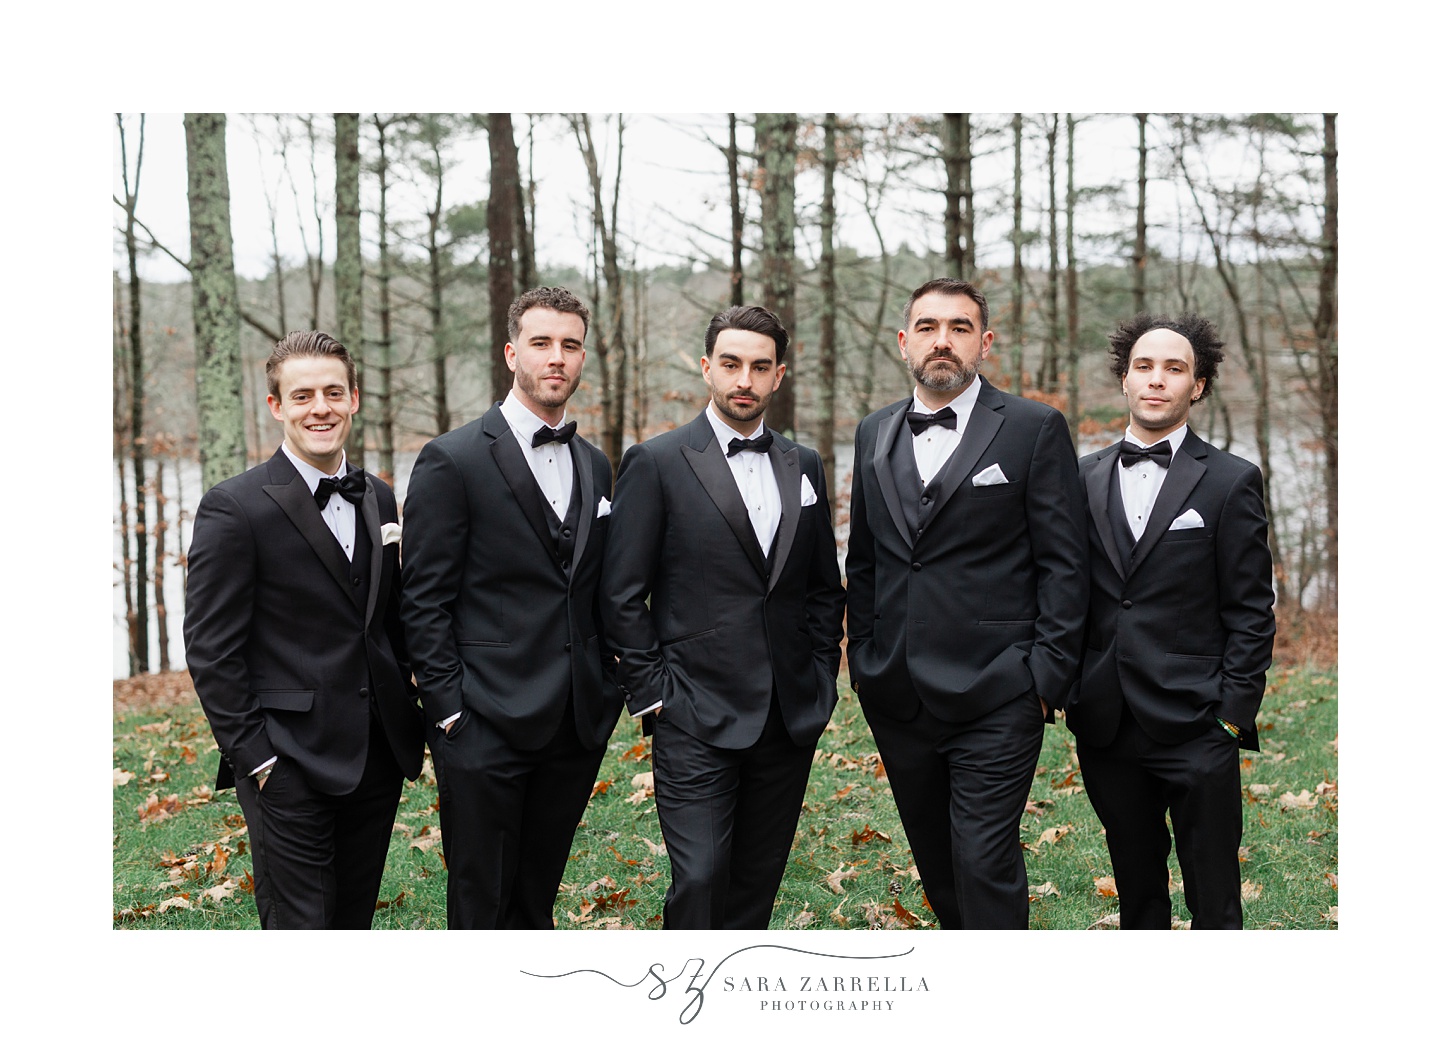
pixel 506 525
pixel 724 602
pixel 296 651
pixel 1181 630
pixel 966 590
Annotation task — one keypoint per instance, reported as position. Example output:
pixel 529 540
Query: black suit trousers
pixel 1131 783
pixel 317 859
pixel 961 789
pixel 508 817
pixel 728 818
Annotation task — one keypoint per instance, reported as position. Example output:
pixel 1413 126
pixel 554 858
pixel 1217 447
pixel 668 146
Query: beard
pixel 943 378
pixel 544 394
pixel 743 414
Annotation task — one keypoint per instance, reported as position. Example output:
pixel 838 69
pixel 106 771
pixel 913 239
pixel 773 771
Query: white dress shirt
pixel 1139 484
pixel 935 444
pixel 552 463
pixel 338 514
pixel 754 478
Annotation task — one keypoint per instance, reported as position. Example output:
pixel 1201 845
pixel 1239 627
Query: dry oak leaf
pixel 905 915
pixel 177 902
pixel 1043 890
pixel 1302 800
pixel 1333 915
pixel 637 753
pixel 220 891
pixel 654 848
pixel 602 786
pixel 867 835
pixel 833 880
pixel 1036 807
pixel 805 918
pixel 839 794
pixel 837 917
pixel 155 809
pixel 1249 890
pixel 1053 834
pixel 430 836
pixel 1334 880
pixel 120 778
pixel 1103 923
pixel 1105 886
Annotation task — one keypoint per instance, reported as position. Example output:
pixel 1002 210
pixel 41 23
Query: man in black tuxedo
pixel 296 652
pixel 1181 629
pixel 506 529
pixel 724 603
pixel 966 588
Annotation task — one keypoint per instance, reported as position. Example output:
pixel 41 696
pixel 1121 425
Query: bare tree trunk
pixel 503 190
pixel 120 430
pixel 348 269
pixel 140 632
pixel 1141 226
pixel 384 397
pixel 221 442
pixel 1070 286
pixel 1015 351
pixel 826 403
pixel 1048 377
pixel 610 338
pixel 1327 337
pixel 776 147
pixel 314 264
pixel 953 152
pixel 163 643
pixel 524 232
pixel 969 213
pixel 738 218
pixel 441 419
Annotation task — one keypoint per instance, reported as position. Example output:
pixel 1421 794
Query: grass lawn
pixel 181 859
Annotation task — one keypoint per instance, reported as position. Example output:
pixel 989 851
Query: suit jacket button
pixel 926 500
pixel 1126 603
pixel 916 566
pixel 567 646
pixel 565 533
pixel 363 692
pixel 357 582
pixel 564 564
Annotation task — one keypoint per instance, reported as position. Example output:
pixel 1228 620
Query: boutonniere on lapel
pixel 391 532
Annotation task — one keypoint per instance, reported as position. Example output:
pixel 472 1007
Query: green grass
pixel 849 828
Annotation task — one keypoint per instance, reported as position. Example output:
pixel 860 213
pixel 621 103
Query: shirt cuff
pixel 263 766
pixel 449 720
pixel 658 703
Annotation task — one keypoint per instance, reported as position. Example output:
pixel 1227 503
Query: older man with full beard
pixel 966 594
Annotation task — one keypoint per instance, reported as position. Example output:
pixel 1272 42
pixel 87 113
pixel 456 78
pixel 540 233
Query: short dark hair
pixel 555 298
pixel 311 343
pixel 1197 330
pixel 752 319
pixel 949 288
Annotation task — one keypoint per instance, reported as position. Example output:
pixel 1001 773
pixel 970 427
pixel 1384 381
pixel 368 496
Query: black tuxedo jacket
pixel 700 618
pixel 497 622
pixel 285 651
pixel 984 599
pixel 1184 630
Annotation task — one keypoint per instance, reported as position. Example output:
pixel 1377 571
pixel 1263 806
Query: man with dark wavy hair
pixel 1181 628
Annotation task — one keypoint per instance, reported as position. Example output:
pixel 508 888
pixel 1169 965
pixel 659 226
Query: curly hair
pixel 554 298
pixel 1203 338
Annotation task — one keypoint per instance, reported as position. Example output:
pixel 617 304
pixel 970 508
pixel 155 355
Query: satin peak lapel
pixel 787 468
pixel 374 527
pixel 299 506
pixel 887 432
pixel 982 426
pixel 1096 477
pixel 515 469
pixel 703 455
pixel 584 477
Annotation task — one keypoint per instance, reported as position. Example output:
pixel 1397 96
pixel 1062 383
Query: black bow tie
pixel 547 434
pixel 351 486
pixel 920 422
pixel 1160 452
pixel 758 444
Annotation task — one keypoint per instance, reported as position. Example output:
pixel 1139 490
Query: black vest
pixel 563 533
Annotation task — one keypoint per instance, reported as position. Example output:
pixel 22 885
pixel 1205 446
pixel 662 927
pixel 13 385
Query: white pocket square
pixel 391 532
pixel 808 492
pixel 603 509
pixel 990 476
pixel 1188 520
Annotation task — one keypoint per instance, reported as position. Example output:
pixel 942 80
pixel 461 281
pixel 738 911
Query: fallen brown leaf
pixel 833 880
pixel 154 809
pixel 120 778
pixel 1105 886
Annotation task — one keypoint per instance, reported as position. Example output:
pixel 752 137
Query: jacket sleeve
pixel 632 555
pixel 435 547
pixel 1246 602
pixel 861 563
pixel 826 598
pixel 1058 532
pixel 221 579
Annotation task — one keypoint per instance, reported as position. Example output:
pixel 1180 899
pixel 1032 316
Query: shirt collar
pixel 522 419
pixel 724 433
pixel 310 474
pixel 961 405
